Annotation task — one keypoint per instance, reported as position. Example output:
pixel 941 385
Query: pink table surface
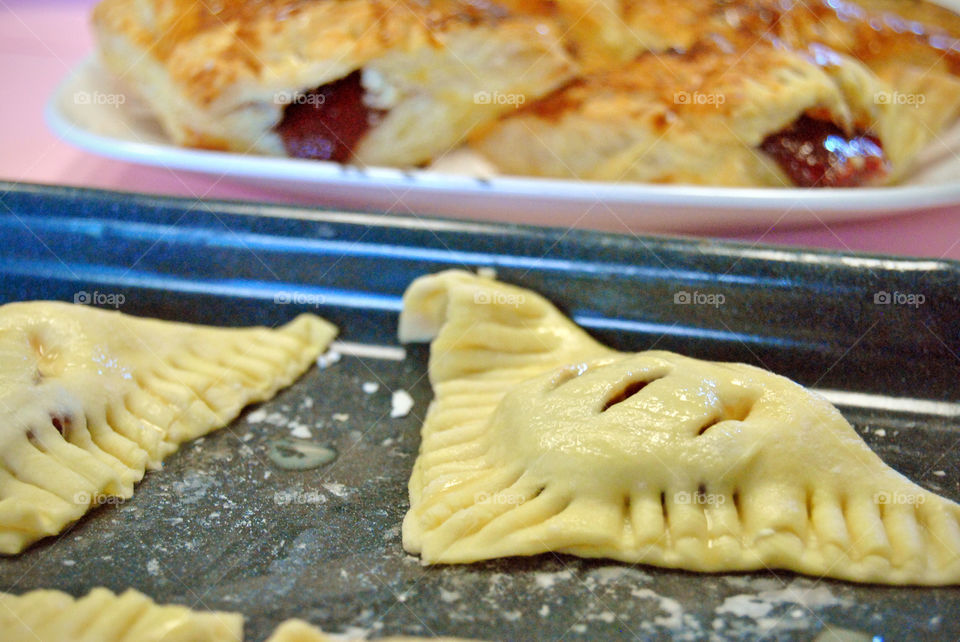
pixel 41 40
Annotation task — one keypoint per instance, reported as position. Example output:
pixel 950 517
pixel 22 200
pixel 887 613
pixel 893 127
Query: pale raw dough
pixel 93 398
pixel 101 616
pixel 540 439
pixel 300 631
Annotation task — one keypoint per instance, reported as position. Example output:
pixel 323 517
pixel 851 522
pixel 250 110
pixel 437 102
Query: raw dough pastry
pixel 397 82
pixel 750 92
pixel 93 398
pixel 540 439
pixel 300 631
pixel 101 616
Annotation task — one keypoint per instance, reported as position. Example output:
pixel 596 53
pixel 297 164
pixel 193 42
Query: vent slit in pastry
pixel 710 424
pixel 116 395
pixel 779 479
pixel 625 392
pixel 732 412
pixel 35 441
pixel 61 424
pixel 737 505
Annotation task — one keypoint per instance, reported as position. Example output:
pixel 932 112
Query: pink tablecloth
pixel 41 40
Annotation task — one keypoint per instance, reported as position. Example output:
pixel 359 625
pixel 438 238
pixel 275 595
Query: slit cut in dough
pixel 649 457
pixel 92 398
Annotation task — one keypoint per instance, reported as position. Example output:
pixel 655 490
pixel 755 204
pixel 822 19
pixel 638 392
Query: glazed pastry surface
pixel 93 398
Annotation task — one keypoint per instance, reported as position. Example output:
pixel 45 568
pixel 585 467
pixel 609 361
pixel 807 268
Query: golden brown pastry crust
pixel 756 66
pixel 213 75
pixel 887 68
pixel 874 31
pixel 697 117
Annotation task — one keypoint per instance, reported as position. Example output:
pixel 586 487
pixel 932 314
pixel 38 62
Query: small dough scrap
pixel 540 439
pixel 92 398
pixel 300 631
pixel 102 616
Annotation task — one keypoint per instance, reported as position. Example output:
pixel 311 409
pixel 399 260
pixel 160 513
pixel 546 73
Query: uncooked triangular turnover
pixel 92 398
pixel 540 439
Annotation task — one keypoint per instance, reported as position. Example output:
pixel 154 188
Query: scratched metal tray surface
pixel 221 526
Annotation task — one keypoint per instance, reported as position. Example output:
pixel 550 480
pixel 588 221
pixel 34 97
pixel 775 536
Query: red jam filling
pixel 817 153
pixel 327 122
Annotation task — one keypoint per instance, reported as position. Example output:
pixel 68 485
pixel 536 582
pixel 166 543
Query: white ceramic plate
pixel 84 112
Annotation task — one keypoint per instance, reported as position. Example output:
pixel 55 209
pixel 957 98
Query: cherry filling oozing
pixel 327 122
pixel 817 153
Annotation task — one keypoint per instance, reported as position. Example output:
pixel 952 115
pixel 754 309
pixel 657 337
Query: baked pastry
pixel 102 616
pixel 754 92
pixel 540 439
pixel 92 398
pixel 379 83
pixel 880 33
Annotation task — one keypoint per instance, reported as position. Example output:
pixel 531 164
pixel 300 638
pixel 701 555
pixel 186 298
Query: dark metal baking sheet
pixel 222 527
